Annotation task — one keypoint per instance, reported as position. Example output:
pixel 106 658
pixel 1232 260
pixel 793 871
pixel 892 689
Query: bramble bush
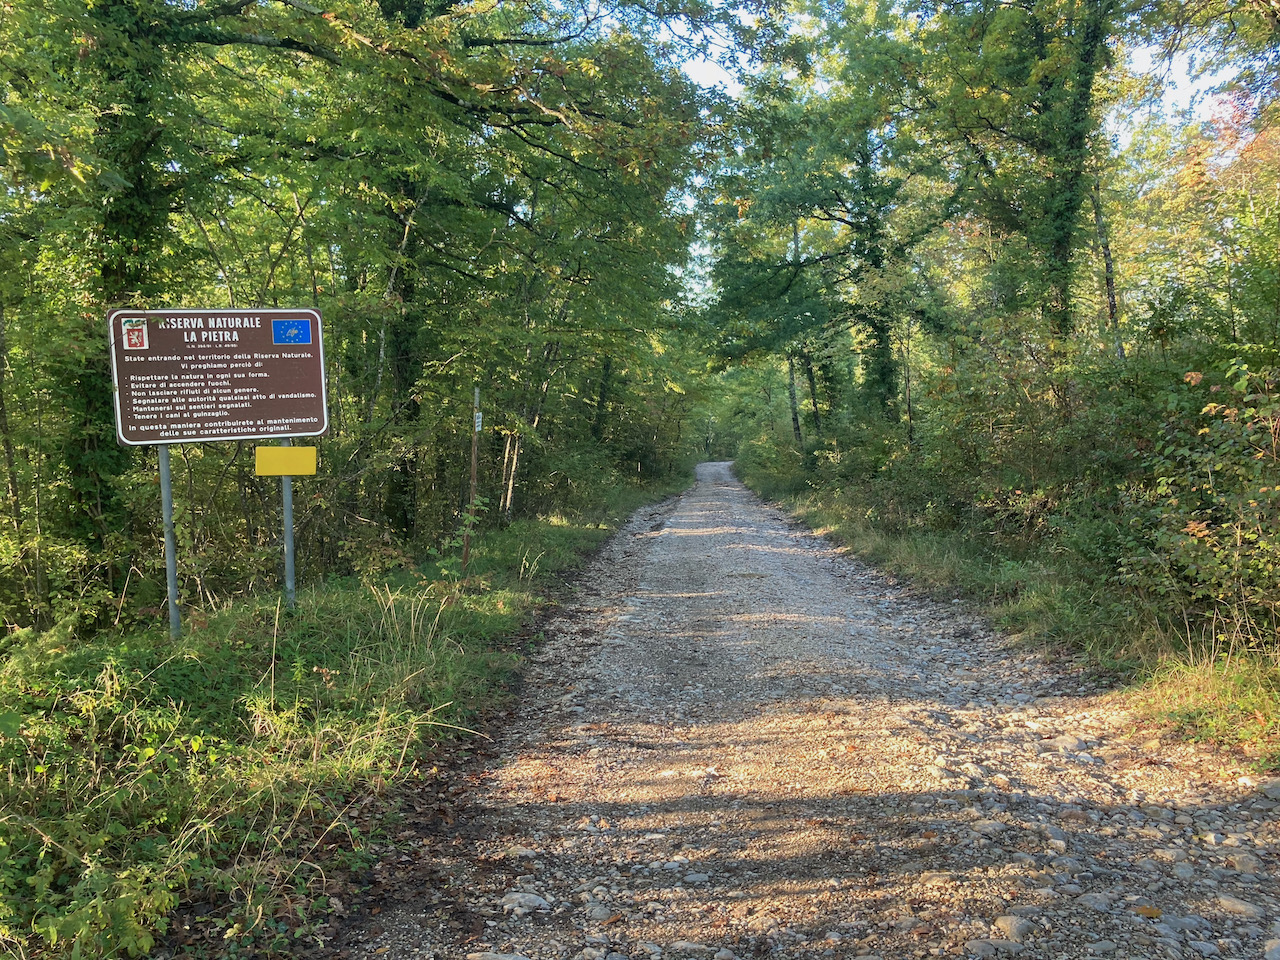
pixel 1215 504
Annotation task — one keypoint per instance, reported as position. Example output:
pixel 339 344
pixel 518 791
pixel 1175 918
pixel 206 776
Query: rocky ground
pixel 738 743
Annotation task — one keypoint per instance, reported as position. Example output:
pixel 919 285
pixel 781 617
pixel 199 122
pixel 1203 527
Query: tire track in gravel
pixel 739 743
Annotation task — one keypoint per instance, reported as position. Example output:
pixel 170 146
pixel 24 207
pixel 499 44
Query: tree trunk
pixel 881 366
pixel 508 448
pixel 508 493
pixel 10 461
pixel 1069 162
pixel 906 387
pixel 791 395
pixel 806 361
pixel 42 614
pixel 124 75
pixel 1108 267
pixel 389 295
pixel 602 400
pixel 549 354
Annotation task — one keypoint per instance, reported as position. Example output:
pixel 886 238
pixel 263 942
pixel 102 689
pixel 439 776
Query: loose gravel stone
pixel 1240 908
pixel 1095 901
pixel 1244 863
pixel 737 742
pixel 598 911
pixel 1015 928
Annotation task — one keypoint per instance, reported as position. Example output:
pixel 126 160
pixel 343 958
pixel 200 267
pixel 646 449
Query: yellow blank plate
pixel 282 461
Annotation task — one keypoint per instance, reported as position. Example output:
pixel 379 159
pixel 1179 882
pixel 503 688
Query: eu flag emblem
pixel 290 331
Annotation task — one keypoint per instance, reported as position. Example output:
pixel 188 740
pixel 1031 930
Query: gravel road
pixel 737 742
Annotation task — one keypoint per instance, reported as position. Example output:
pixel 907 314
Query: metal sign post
pixel 478 419
pixel 286 461
pixel 286 491
pixel 170 542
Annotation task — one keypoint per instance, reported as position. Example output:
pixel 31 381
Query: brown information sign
pixel 189 375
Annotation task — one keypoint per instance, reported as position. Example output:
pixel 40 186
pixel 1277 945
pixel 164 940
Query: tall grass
pixel 226 760
pixel 1036 596
pixel 1215 683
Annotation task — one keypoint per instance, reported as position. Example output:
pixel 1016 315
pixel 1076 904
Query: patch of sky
pixel 1183 94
